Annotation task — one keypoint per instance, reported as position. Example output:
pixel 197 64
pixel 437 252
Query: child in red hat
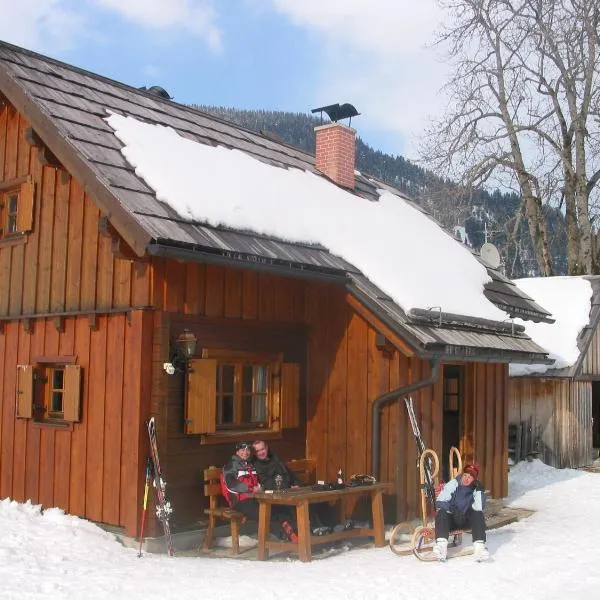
pixel 460 506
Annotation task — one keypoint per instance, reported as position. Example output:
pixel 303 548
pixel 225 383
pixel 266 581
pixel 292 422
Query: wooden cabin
pixel 554 415
pixel 99 280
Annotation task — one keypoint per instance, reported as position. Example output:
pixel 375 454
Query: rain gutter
pixel 389 397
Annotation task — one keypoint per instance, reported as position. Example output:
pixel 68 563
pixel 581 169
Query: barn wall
pixel 591 361
pixel 557 414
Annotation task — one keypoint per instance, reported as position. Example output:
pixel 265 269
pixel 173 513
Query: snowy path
pixel 551 555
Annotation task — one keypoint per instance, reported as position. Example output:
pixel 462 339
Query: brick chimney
pixel 336 152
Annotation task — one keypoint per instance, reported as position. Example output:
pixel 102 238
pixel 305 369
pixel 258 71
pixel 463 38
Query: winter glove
pixel 477 486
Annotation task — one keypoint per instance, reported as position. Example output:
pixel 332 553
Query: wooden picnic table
pixel 301 498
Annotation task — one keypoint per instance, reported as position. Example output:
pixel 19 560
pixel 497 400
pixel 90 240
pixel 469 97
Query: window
pixel 54 392
pixel 231 392
pixel 16 208
pixel 242 395
pixel 49 392
pixel 452 390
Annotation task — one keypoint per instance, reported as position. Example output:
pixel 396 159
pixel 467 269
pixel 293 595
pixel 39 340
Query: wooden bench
pixel 212 490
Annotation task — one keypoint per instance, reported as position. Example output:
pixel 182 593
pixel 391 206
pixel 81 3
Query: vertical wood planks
pixel 215 289
pixel 195 291
pixel 357 402
pixel 113 411
pixel 105 273
pixel 122 283
pixel 20 444
pixel 136 409
pixel 337 387
pixel 318 367
pixel 95 420
pixel 11 335
pixel 249 294
pixel 89 260
pixel 45 244
pixel 59 242
pixel 233 294
pixel 79 436
pixel 75 246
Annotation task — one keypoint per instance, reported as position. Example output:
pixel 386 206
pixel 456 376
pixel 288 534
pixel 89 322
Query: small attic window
pixel 16 209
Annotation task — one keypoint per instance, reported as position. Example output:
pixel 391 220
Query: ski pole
pixel 145 507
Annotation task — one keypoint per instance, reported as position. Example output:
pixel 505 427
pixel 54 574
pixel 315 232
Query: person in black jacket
pixel 240 481
pixel 268 466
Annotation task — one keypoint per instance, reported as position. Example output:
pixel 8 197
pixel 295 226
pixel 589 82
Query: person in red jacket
pixel 239 482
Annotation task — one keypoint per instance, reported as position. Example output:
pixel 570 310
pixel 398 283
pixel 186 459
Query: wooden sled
pixel 405 539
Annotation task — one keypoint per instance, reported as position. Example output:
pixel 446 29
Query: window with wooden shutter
pixel 234 393
pixel 16 208
pixel 54 390
pixel 24 398
pixel 201 404
pixel 290 395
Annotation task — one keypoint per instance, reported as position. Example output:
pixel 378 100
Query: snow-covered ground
pixel 552 554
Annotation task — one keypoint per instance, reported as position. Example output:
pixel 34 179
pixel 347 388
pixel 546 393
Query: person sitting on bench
pixel 273 474
pixel 460 505
pixel 240 481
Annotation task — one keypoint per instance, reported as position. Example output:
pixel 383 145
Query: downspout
pixel 390 397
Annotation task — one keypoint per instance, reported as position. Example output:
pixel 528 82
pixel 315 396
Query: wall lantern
pixel 182 353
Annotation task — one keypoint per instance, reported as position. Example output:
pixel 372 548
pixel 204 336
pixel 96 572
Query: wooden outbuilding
pixel 554 414
pixel 101 283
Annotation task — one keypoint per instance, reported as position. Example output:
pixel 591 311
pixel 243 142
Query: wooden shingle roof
pixel 67 107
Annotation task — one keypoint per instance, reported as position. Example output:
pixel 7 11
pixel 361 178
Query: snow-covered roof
pixel 274 210
pixel 398 247
pixel 569 300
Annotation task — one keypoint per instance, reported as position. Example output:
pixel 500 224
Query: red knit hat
pixel 472 469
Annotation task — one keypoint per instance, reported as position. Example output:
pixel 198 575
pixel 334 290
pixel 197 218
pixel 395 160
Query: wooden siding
pixel 225 308
pixel 343 373
pixel 347 372
pixel 95 468
pixel 65 265
pixel 558 415
pixel 590 364
pixel 89 468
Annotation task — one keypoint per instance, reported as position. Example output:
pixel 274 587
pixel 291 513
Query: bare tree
pixel 524 106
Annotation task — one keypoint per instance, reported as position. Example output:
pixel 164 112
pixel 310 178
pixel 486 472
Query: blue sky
pixel 288 55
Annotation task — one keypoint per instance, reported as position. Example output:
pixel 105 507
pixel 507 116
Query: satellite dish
pixel 489 255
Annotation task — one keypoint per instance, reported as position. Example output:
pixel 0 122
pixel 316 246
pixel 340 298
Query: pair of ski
pixel 155 478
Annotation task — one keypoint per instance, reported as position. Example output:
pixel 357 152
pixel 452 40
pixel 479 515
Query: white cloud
pixel 377 55
pixel 40 25
pixel 196 16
